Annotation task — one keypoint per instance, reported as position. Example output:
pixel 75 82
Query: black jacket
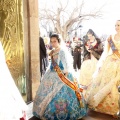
pixel 42 48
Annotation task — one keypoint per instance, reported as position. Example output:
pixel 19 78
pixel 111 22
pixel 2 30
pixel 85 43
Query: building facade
pixel 19 34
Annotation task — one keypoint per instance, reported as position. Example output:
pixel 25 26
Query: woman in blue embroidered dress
pixel 54 100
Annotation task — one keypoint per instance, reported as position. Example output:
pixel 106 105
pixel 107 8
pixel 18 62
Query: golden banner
pixel 11 36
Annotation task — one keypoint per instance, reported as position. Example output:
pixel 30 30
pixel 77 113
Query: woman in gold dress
pixel 102 95
pixel 92 51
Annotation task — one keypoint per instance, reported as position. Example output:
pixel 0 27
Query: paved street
pixel 91 115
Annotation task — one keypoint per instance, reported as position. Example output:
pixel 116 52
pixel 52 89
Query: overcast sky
pixel 107 23
pixel 104 25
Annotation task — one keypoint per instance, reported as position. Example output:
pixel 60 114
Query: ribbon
pixel 72 85
pixel 112 45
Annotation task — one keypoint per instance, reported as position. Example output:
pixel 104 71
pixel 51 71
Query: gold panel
pixel 11 35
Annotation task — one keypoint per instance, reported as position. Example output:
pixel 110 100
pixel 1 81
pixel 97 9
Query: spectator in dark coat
pixel 43 55
pixel 77 56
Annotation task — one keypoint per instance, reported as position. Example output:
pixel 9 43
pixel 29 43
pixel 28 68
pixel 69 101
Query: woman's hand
pixel 109 38
pixel 113 59
pixel 50 53
pixel 90 47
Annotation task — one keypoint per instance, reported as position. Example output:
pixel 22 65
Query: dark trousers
pixel 77 60
pixel 43 65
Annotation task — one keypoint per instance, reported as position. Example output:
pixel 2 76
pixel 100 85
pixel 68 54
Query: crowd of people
pixel 61 95
pixel 99 78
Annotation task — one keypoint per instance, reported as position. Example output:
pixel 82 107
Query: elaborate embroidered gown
pixel 103 94
pixel 11 102
pixel 89 64
pixel 54 100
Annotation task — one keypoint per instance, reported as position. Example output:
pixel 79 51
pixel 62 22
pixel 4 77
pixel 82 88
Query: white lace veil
pixel 69 57
pixel 102 58
pixel 64 47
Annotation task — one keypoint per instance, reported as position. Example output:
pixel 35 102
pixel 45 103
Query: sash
pixel 114 49
pixel 72 85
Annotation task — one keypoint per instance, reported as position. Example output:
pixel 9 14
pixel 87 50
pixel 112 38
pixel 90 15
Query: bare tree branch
pixel 81 7
pixel 63 20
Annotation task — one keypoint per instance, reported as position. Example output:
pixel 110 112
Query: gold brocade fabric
pixel 87 69
pixel 102 95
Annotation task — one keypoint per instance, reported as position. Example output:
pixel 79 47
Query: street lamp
pixel 80 30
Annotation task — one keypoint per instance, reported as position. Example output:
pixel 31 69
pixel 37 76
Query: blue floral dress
pixel 54 100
